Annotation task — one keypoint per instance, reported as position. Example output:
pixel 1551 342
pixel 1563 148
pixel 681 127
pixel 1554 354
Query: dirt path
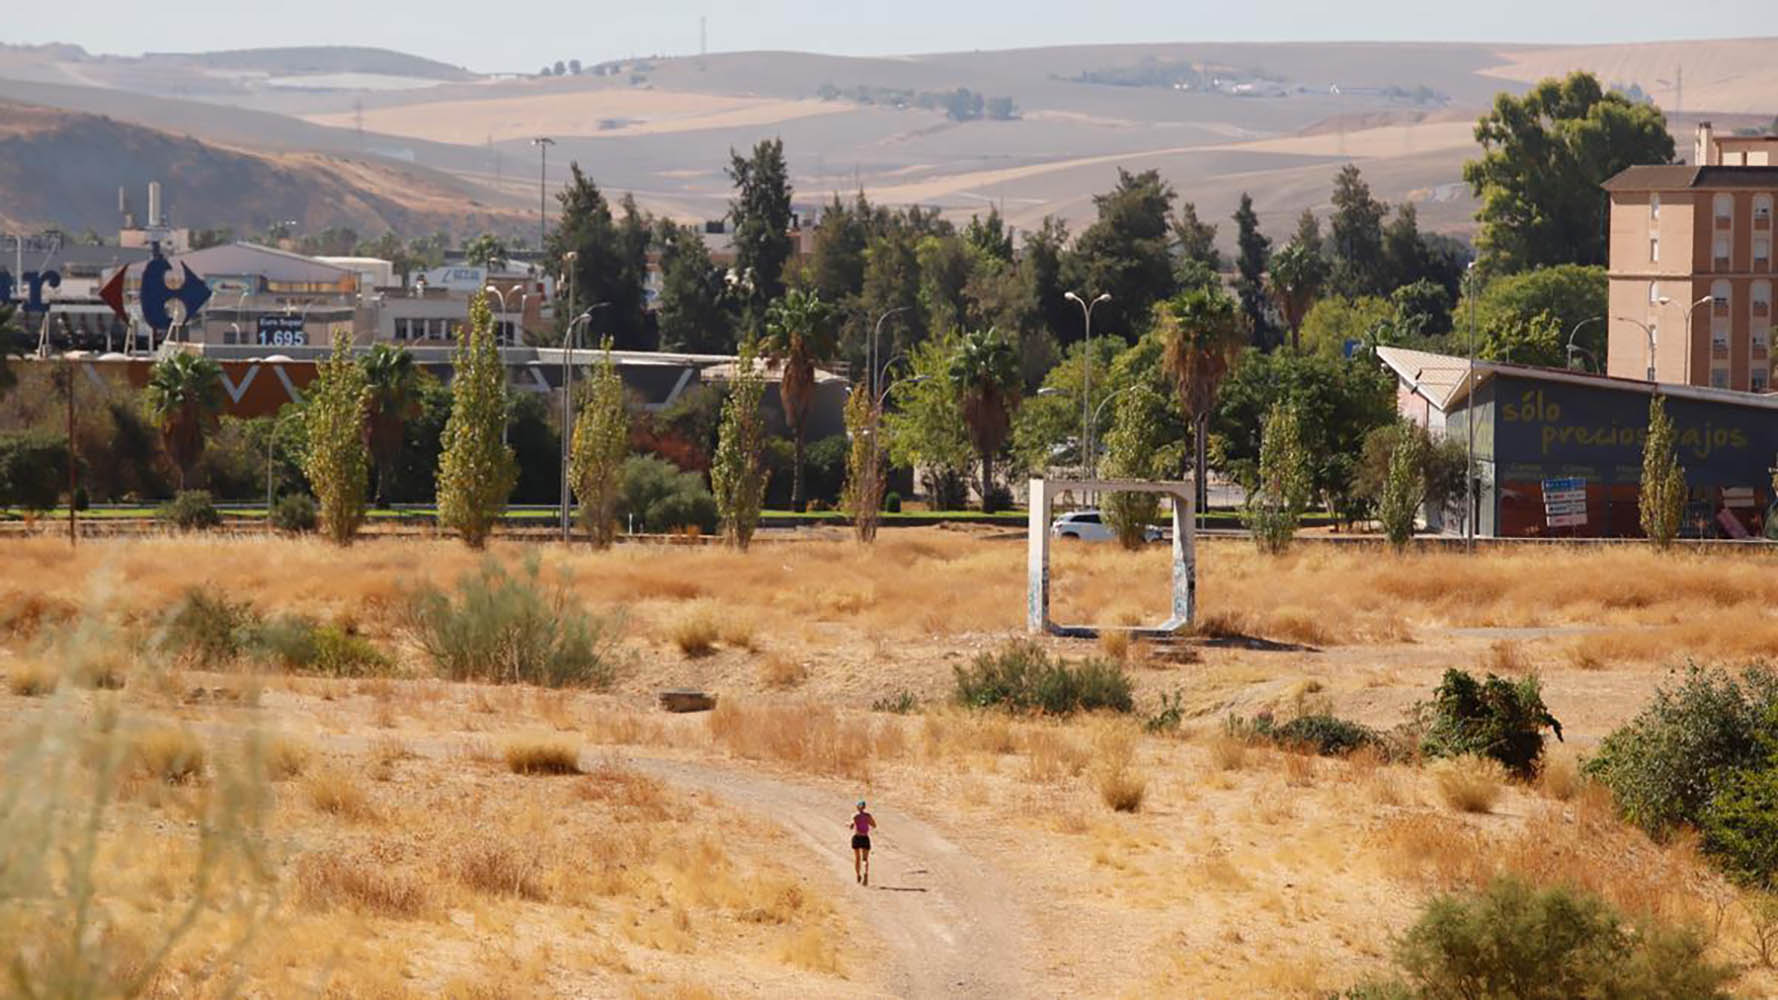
pixel 944 914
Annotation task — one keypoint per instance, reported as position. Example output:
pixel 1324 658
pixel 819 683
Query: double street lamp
pixel 1086 374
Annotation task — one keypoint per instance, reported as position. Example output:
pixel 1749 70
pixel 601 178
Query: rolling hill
pixel 1216 119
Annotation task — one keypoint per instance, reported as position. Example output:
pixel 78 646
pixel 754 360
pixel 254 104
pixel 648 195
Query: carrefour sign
pixel 155 295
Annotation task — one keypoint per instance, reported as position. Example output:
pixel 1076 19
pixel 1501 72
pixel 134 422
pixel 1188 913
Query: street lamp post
pixel 1687 368
pixel 1086 372
pixel 1651 342
pixel 543 143
pixel 1093 469
pixel 1572 349
pixel 1469 491
pixel 568 403
pixel 870 362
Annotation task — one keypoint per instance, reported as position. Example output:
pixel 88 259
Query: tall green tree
pixel 990 236
pixel 986 371
pixel 863 496
pixel 1251 260
pixel 1277 498
pixel 337 459
pixel 925 430
pixel 737 470
pixel 394 385
pixel 1297 273
pixel 610 260
pixel 476 471
pixel 1308 233
pixel 693 310
pixel 1404 489
pixel 761 214
pixel 1571 295
pixel 1360 267
pixel 1196 238
pixel 601 444
pixel 1202 333
pixel 1662 502
pixel 1140 445
pixel 184 395
pixel 1124 253
pixel 1544 156
pixel 799 336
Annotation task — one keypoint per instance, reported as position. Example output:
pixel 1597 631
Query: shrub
pixel 900 703
pixel 1169 716
pixel 168 754
pixel 297 644
pixel 1327 735
pixel 336 794
pixel 190 510
pixel 512 630
pixel 660 498
pixel 1495 718
pixel 892 502
pixel 295 513
pixel 1666 765
pixel 1512 940
pixel 31 678
pixel 329 881
pixel 1741 823
pixel 1023 678
pixel 542 757
pixel 1470 784
pixel 206 629
pixel 696 634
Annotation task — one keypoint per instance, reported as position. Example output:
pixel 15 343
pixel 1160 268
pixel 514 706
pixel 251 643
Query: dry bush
pixel 495 867
pixel 1051 756
pixel 1507 658
pixel 781 672
pixel 810 949
pixel 628 793
pixel 1560 778
pixel 286 758
pixel 542 756
pixel 1122 786
pixel 1227 751
pixel 331 881
pixel 1581 655
pixel 168 754
pixel 738 632
pixel 696 632
pixel 809 737
pixel 1299 770
pixel 1115 643
pixel 1470 784
pixel 336 793
pixel 32 678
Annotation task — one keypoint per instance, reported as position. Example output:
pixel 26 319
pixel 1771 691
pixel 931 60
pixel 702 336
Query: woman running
pixel 862 824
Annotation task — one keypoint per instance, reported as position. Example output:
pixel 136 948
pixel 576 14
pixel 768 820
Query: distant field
pixel 1736 75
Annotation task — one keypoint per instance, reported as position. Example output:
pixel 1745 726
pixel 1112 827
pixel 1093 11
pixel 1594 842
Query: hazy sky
pixel 474 33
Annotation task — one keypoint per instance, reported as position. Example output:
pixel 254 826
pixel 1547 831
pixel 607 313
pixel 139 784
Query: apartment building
pixel 1692 273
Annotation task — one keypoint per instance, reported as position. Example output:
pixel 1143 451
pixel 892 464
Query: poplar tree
pixel 737 471
pixel 863 499
pixel 477 471
pixel 601 443
pixel 337 460
pixel 1404 487
pixel 1663 481
pixel 1278 499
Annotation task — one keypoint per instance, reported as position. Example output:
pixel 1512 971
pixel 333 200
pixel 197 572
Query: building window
pixel 1719 378
pixel 1762 249
pixel 1654 292
pixel 1654 248
pixel 1721 253
pixel 1762 211
pixel 1725 210
pixel 1654 206
pixel 1719 298
pixel 1756 379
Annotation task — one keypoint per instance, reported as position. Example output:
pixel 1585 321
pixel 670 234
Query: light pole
pixel 543 143
pixel 1086 371
pixel 1572 350
pixel 1651 342
pixel 568 403
pixel 1687 369
pixel 1469 491
pixel 1093 469
pixel 499 296
pixel 870 361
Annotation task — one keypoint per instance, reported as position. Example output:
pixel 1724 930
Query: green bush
pixel 206 629
pixel 190 510
pixel 1169 716
pixel 300 645
pixel 33 469
pixel 510 629
pixel 1495 718
pixel 1667 764
pixel 1022 677
pixel 656 496
pixel 1511 941
pixel 295 513
pixel 1327 735
pixel 892 502
pixel 1741 822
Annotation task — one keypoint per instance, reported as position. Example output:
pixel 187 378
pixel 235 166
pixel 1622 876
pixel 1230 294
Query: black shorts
pixel 860 842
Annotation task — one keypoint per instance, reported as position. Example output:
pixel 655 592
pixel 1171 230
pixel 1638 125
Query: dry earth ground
pixel 691 860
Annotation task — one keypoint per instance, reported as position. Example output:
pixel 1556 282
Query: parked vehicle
pixel 1090 526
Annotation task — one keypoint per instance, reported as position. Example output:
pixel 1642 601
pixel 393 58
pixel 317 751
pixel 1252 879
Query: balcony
pixel 1724 222
pixel 1762 309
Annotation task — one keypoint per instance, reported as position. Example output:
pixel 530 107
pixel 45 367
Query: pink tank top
pixel 861 824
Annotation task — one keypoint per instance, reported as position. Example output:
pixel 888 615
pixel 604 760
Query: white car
pixel 1089 526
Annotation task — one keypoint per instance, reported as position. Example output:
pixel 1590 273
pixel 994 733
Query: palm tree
pixel 1294 279
pixel 798 337
pixel 1202 333
pixel 985 369
pixel 185 397
pixel 394 400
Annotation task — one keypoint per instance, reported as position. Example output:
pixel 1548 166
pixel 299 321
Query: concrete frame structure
pixel 1185 574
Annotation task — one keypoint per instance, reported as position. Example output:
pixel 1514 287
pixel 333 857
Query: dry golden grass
pixel 696 633
pixel 1560 778
pixel 1470 784
pixel 1122 785
pixel 780 672
pixel 169 754
pixel 32 678
pixel 1227 751
pixel 335 792
pixel 543 756
pixel 497 868
pixel 286 758
pixel 328 881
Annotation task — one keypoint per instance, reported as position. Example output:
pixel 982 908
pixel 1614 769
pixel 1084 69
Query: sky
pixel 472 33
